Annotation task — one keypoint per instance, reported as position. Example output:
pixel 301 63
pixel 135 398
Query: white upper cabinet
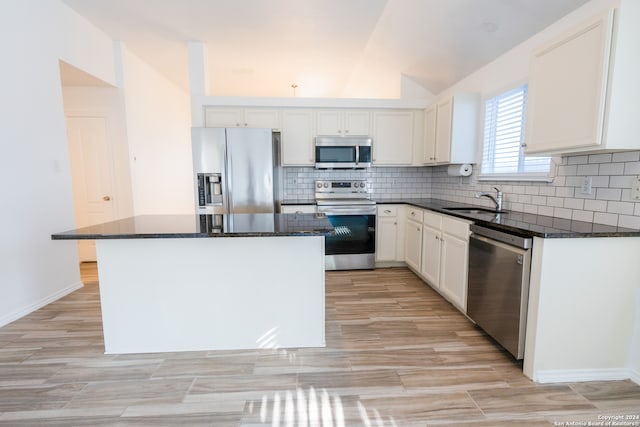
pixel 243 117
pixel 450 130
pixel 343 122
pixel 393 134
pixel 297 138
pixel 430 121
pixel 583 87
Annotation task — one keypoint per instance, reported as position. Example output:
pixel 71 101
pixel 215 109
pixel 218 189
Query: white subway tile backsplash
pixel 565 191
pixel 590 169
pixel 605 218
pixel 578 160
pixel 582 216
pixel 610 202
pixel 600 158
pixel 562 213
pixel 624 208
pixel 595 205
pixel 574 204
pixel 628 156
pixel 629 221
pixel 547 191
pixel 545 210
pixel 599 181
pixel 555 201
pixel 623 181
pixel 612 168
pixel 632 168
pixel 567 170
pixel 609 193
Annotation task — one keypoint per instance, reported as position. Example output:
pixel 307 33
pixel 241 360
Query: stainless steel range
pixel 349 208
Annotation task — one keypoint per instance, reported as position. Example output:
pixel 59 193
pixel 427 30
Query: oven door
pixel 353 245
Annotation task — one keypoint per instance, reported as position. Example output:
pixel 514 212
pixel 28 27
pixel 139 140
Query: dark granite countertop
pixel 189 226
pixel 298 202
pixel 521 223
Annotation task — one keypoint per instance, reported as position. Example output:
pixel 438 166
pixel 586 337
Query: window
pixel 502 153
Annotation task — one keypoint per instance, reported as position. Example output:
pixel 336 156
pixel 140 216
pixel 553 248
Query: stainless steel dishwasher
pixel 498 293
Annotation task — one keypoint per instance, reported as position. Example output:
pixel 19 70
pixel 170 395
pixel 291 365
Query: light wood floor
pixel 397 355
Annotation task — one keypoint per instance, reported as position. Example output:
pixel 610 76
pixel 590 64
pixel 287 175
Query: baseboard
pixel 5 320
pixel 583 375
pixel 635 376
pixel 390 264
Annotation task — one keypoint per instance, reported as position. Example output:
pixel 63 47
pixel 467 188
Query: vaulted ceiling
pixel 328 48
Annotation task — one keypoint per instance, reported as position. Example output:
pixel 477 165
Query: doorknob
pixel 106 198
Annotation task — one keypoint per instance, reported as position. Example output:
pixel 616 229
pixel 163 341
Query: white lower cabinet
pixel 413 244
pixel 431 247
pixel 298 209
pixel 437 249
pixel 390 230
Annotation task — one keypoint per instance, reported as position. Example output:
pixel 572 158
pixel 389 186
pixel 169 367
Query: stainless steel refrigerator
pixel 235 170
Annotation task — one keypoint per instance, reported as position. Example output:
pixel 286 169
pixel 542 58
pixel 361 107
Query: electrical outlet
pixel 635 188
pixel 586 185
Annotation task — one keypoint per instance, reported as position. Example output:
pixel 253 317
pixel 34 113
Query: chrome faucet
pixel 497 200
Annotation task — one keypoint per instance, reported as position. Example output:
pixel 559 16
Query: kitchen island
pixel 210 282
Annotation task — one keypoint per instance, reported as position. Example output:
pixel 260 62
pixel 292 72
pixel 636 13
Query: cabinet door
pixel 223 117
pixel 431 252
pixel 453 273
pixel 567 89
pixel 386 241
pixel 357 123
pixel 297 138
pixel 443 130
pixel 329 122
pixel 392 138
pixel 430 134
pixel 413 244
pixel 262 118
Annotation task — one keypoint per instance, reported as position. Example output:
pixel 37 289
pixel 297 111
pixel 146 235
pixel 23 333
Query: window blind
pixel 502 153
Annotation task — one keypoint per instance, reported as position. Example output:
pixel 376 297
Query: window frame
pixel 510 176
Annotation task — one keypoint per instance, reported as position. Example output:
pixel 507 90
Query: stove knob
pixel 319 185
pixel 326 185
pixel 362 185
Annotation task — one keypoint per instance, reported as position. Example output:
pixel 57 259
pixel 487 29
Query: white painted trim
pixel 581 375
pixel 5 320
pixel 634 375
pixel 290 102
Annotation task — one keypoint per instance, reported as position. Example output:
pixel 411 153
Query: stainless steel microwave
pixel 343 152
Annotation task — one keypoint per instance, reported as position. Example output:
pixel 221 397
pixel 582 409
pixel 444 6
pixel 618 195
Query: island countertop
pixel 190 226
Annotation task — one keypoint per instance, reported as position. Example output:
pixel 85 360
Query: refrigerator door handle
pixel 228 168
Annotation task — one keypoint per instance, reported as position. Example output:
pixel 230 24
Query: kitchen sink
pixel 474 210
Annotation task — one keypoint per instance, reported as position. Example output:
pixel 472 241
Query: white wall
pixel 159 133
pixel 36 193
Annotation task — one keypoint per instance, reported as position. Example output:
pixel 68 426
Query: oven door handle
pixel 347 210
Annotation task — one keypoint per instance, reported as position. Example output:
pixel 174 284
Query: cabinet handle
pixel 387 211
pixel 346 131
pixel 237 125
pixel 395 223
pixel 523 145
pixel 245 125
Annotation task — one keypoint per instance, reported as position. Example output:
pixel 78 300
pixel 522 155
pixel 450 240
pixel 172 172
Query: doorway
pixel 98 152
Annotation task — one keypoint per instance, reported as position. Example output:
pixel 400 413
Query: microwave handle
pixel 357 154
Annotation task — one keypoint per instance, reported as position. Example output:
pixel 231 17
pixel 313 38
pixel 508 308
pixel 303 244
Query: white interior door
pixel 92 176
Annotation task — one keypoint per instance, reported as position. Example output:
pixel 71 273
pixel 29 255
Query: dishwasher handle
pixel 501 236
